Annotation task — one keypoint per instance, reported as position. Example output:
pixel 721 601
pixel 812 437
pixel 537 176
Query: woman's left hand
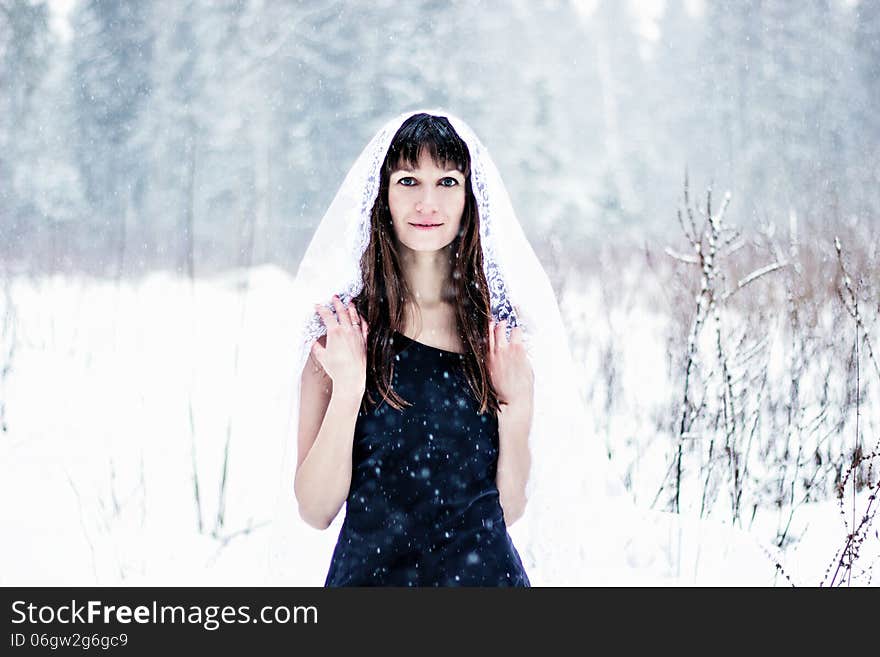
pixel 509 366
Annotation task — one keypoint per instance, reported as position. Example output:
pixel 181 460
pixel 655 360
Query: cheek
pixel 455 208
pixel 393 204
pixel 397 207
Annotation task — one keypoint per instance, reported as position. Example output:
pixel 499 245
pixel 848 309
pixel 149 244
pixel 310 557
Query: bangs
pixel 434 135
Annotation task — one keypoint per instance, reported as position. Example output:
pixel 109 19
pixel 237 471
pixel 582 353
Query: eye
pixel 409 181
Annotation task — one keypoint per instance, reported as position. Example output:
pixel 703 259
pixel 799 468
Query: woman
pixel 439 400
pixel 434 466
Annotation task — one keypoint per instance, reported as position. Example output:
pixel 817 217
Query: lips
pixel 424 226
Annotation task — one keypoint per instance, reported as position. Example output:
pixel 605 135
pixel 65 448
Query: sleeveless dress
pixel 423 508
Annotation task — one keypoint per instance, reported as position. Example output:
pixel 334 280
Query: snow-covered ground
pixel 117 398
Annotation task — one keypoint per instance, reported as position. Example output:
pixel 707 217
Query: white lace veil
pixel 579 527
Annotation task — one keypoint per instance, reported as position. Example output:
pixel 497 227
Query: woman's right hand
pixel 344 357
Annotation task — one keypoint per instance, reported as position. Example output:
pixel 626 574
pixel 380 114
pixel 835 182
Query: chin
pixel 428 243
pixel 425 247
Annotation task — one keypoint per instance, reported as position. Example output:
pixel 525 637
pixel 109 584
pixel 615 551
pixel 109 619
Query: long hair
pixel 382 301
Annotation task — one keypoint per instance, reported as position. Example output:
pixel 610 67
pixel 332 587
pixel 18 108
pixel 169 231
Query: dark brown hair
pixel 382 302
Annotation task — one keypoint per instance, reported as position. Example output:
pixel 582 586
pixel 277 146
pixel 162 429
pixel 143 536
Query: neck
pixel 427 275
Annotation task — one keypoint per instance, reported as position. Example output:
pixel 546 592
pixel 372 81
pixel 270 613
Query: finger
pixel 341 313
pixel 318 350
pixel 491 336
pixel 326 316
pixel 364 329
pixel 353 316
pixel 516 335
pixel 501 333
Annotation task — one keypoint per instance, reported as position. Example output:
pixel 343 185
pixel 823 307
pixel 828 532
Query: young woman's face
pixel 427 196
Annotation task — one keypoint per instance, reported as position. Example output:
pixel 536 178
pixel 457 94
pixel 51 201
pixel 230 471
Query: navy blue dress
pixel 423 507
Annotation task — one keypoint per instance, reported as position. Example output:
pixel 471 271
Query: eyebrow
pixel 412 171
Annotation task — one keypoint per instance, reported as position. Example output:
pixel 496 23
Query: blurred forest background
pixel 180 134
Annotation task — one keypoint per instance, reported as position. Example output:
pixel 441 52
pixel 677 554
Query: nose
pixel 427 204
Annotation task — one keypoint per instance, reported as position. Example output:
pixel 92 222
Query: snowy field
pixel 116 399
